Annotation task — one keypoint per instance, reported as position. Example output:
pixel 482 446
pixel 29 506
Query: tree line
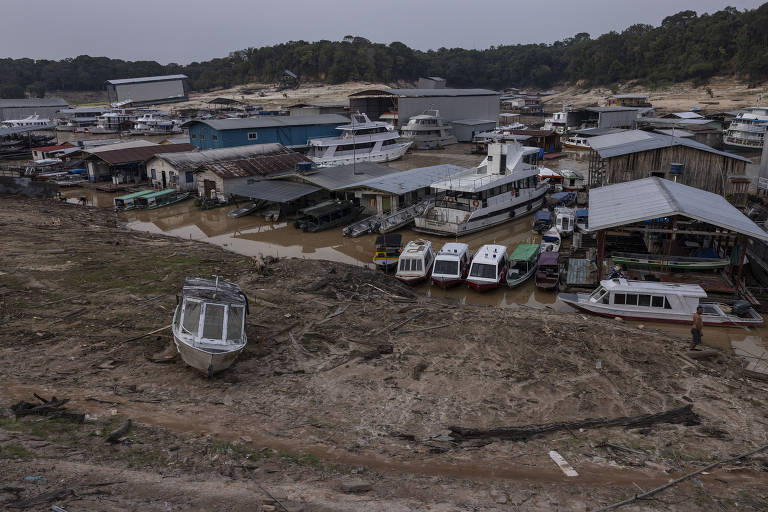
pixel 686 46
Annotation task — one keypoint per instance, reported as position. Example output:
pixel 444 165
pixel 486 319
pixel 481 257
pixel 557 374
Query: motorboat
pixel 564 220
pixel 78 120
pixel 573 181
pixel 658 261
pixel 563 198
pixel 577 142
pixel 247 209
pixel 747 130
pixel 159 199
pixel 128 202
pixel 155 123
pixel 489 268
pixel 550 240
pixel 548 271
pixel 362 140
pixel 660 302
pixel 503 187
pixel 326 215
pixel 115 121
pixel 209 324
pixel 451 265
pixel 558 122
pixel 388 250
pixel 33 121
pixel 428 131
pixel 415 262
pixel 582 220
pixel 542 221
pixel 523 263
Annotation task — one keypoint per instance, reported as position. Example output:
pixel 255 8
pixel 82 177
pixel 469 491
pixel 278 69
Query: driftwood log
pixel 53 405
pixel 683 415
pixel 115 436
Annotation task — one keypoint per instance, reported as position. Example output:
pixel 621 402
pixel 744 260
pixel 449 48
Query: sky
pixel 183 31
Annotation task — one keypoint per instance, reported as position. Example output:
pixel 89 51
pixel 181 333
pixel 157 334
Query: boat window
pixel 644 300
pixel 191 321
pixel 235 323
pixel 446 267
pixel 619 298
pixel 551 239
pixel 213 323
pixel 417 265
pixel 631 299
pixel 667 305
pixel 483 270
pixel 405 264
pixel 597 293
pixel 657 302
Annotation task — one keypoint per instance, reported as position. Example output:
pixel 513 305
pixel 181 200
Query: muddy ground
pixel 344 396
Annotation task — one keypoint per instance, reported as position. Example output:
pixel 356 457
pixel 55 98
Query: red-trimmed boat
pixel 489 268
pixel 451 265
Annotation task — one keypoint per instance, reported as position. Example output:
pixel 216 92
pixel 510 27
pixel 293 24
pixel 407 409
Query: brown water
pixel 252 235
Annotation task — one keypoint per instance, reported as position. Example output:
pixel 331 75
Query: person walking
pixel 698 326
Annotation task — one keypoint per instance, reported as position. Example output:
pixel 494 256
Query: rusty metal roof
pixel 260 165
pixel 140 154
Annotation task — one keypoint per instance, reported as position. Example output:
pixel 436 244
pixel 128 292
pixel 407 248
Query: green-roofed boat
pixel 160 198
pixel 127 202
pixel 522 264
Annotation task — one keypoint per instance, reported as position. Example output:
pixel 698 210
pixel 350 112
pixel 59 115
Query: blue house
pixel 286 130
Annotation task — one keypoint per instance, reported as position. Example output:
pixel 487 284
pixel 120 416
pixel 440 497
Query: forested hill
pixel 685 47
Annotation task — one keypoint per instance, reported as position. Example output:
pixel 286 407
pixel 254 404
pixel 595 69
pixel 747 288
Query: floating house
pixel 286 130
pixel 125 162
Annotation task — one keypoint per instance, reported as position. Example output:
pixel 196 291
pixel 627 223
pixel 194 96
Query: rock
pixel 618 319
pixel 355 485
pixel 385 348
pixel 246 439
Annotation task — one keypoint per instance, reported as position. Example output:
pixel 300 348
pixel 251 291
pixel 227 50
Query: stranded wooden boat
pixel 451 265
pixel 209 324
pixel 672 262
pixel 489 268
pixel 127 202
pixel 548 271
pixel 660 302
pixel 523 263
pixel 160 198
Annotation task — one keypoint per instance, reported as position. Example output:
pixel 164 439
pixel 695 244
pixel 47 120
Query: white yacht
pixel 78 120
pixel 576 142
pixel 503 187
pixel 27 122
pixel 558 122
pixel 155 123
pixel 660 302
pixel 564 220
pixel 362 140
pixel 747 130
pixel 428 131
pixel 113 122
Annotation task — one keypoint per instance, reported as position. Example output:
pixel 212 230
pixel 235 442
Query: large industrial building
pixel 399 105
pixel 286 130
pixel 21 108
pixel 148 90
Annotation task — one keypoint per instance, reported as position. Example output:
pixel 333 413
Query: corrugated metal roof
pixel 419 93
pixel 140 154
pixel 473 122
pixel 338 178
pixel 271 121
pixel 610 109
pixel 277 191
pixel 408 181
pixel 675 132
pixel 652 198
pixel 628 96
pixel 634 141
pixel 263 165
pixel 120 145
pixel 192 160
pixel 687 115
pixel 34 102
pixel 677 121
pixel 160 78
pixel 594 132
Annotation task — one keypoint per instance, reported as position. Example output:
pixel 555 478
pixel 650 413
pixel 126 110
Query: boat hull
pixel 385 263
pixel 514 283
pixel 712 264
pixel 483 286
pixel 204 361
pixel 676 318
pixel 381 156
pixel 446 282
pixel 411 281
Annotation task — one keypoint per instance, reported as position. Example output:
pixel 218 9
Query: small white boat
pixel 415 262
pixel 28 122
pixel 451 265
pixel 428 131
pixel 564 221
pixel 523 263
pixel 209 324
pixel 582 220
pixel 576 142
pixel 489 268
pixel 550 241
pixel 660 302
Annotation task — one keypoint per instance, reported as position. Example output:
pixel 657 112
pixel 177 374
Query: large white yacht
pixel 503 187
pixel 428 131
pixel 29 121
pixel 362 140
pixel 747 130
pixel 155 123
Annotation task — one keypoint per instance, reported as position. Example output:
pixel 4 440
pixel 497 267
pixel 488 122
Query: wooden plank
pixel 562 464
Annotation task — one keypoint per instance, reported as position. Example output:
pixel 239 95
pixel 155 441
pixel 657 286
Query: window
pixel 631 299
pixel 450 268
pixel 417 266
pixel 191 320
pixel 619 298
pixel 644 300
pixel 235 323
pixel 213 324
pixel 192 135
pixel 657 302
pixel 483 270
pixel 666 304
pixel 189 177
pixel 154 174
pixel 253 136
pixel 202 136
pixel 214 137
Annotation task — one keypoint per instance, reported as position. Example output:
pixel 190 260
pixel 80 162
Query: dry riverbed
pixel 344 397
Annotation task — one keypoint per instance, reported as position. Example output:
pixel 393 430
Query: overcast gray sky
pixel 184 31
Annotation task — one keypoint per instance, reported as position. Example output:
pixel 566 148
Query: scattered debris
pixel 562 463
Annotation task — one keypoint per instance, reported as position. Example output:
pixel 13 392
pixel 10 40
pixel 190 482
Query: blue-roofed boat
pixel 582 220
pixel 562 199
pixel 542 221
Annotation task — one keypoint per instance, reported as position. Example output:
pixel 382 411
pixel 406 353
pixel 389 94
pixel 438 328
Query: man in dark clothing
pixel 696 329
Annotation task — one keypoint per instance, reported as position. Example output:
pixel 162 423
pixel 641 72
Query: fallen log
pixel 115 436
pixel 681 415
pixel 41 499
pixel 53 405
